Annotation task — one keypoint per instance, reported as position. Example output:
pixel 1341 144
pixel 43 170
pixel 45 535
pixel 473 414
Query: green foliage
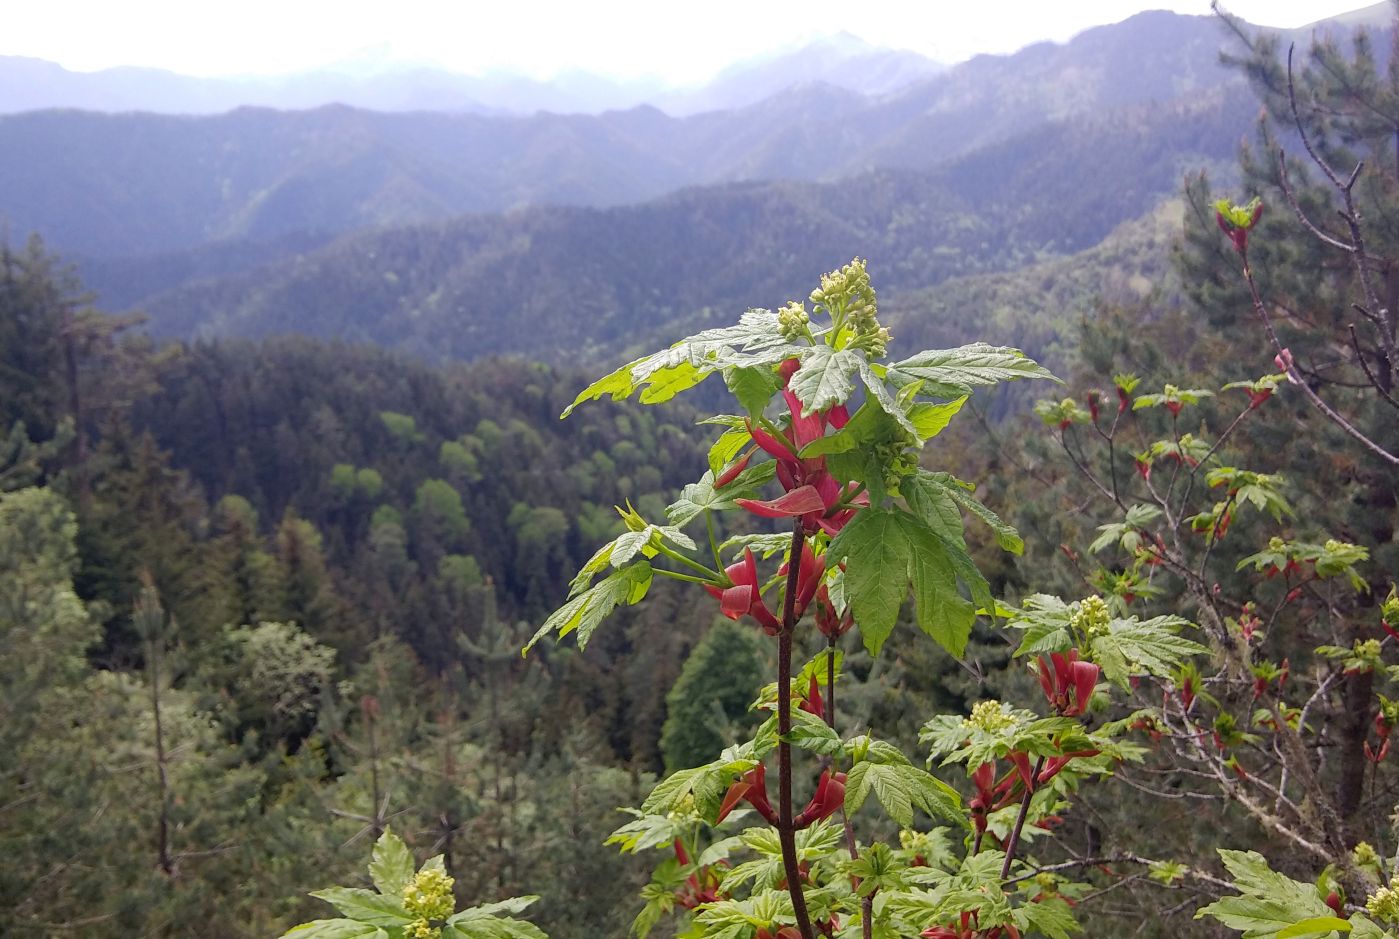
pixel 585 611
pixel 1272 905
pixel 279 676
pixel 348 483
pixel 868 525
pixel 756 340
pixel 935 497
pixel 402 427
pixel 439 516
pixel 706 708
pixel 900 788
pixel 412 903
pixel 887 552
pixel 47 630
pixel 223 728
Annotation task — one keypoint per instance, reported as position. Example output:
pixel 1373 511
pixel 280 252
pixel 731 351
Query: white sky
pixel 678 42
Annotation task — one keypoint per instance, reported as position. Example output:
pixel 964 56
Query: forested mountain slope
pixel 550 282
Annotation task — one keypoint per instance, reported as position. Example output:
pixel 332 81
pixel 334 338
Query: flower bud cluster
pixel 1364 855
pixel 848 290
pixel 428 896
pixel 1091 617
pixel 792 319
pixel 989 716
pixel 1384 904
pixel 850 299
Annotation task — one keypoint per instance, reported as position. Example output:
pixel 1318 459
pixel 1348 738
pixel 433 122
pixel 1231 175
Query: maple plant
pixel 411 902
pixel 1285 718
pixel 826 446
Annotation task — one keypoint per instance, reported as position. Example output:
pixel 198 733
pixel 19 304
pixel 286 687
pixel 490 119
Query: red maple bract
pixel 745 596
pixel 1068 683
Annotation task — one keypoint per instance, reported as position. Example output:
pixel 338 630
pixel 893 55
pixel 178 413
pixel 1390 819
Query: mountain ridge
pixel 379 82
pixel 151 184
pixel 556 283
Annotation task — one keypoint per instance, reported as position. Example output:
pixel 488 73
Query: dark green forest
pixel 262 596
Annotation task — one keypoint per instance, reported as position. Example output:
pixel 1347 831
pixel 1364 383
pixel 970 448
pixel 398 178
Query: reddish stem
pixel 1014 841
pixel 786 831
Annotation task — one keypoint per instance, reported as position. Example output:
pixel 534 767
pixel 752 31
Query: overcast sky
pixel 673 41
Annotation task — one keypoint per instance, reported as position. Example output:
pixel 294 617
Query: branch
pixel 1286 185
pixel 1087 473
pixel 1119 858
pixel 1365 364
pixel 1297 380
pixel 1352 217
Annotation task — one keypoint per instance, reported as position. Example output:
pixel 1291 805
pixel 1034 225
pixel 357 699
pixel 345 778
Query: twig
pixel 1297 380
pixel 1365 364
pixel 1352 218
pixel 1286 185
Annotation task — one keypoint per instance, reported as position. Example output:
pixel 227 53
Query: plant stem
pixel 786 834
pixel 866 903
pixel 688 578
pixel 831 682
pixel 713 543
pixel 710 576
pixel 1014 841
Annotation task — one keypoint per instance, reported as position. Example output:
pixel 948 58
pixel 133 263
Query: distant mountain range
pixel 467 234
pixel 376 82
pixel 552 283
pixel 125 185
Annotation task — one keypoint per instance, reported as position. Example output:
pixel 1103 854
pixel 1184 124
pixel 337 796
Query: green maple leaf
pixel 586 610
pixel 952 373
pixel 756 340
pixel 336 929
pixel 700 496
pixel 366 906
pixel 1131 647
pixel 887 551
pixel 929 420
pixel 392 864
pixel 1270 903
pixel 753 387
pixel 826 377
pixel 884 780
pixel 486 922
pixel 621 550
pixel 935 497
pixel 901 787
pixel 1051 916
pixel 888 400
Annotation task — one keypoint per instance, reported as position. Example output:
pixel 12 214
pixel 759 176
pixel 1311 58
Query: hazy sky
pixel 679 42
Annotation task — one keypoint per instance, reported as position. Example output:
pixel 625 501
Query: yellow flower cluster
pixel 793 319
pixel 1364 855
pixel 850 299
pixel 1384 905
pixel 989 716
pixel 1091 617
pixel 428 896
